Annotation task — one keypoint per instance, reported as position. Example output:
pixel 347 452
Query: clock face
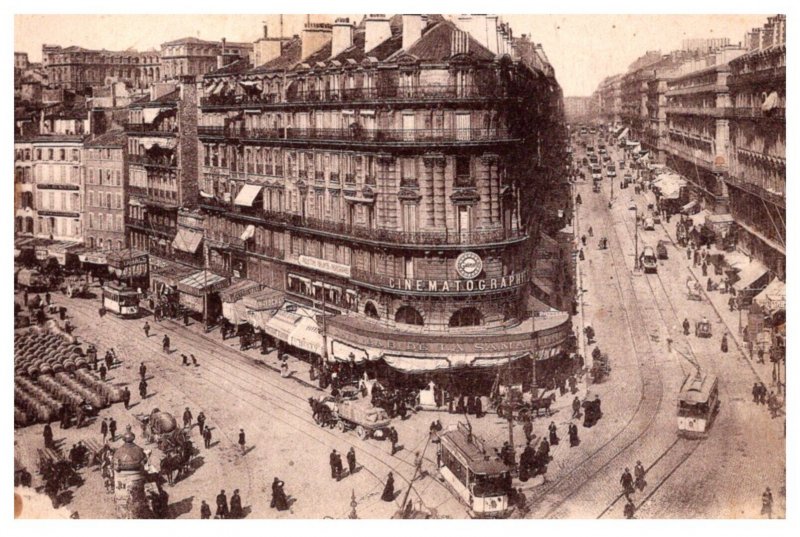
pixel 469 265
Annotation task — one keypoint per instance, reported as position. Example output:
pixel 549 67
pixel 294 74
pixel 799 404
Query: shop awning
pixel 623 134
pixel 187 240
pixel 235 312
pixel 248 232
pixel 267 299
pixel 749 276
pixel 202 282
pixel 281 325
pixel 96 258
pixel 342 352
pixel 247 195
pixel 238 290
pixel 307 336
pixel 773 297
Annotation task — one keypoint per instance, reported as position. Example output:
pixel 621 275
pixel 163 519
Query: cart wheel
pixel 361 432
pixel 341 426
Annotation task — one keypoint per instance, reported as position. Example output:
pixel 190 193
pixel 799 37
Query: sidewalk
pixel 719 301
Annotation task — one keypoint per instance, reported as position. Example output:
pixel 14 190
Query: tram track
pixel 643 417
pixel 261 388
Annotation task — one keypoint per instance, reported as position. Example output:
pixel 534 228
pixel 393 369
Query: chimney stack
pixel 265 31
pixel 315 36
pixel 376 30
pixel 342 36
pixel 491 33
pixel 412 29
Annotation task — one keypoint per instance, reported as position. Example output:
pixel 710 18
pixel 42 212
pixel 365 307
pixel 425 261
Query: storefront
pixel 233 305
pixel 129 266
pixel 199 293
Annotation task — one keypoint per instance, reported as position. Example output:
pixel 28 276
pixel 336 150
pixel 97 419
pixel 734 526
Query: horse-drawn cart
pixel 346 414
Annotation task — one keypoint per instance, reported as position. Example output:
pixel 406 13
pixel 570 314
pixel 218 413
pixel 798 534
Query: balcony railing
pixel 428 92
pixel 149 128
pixel 145 160
pixel 756 112
pixel 233 242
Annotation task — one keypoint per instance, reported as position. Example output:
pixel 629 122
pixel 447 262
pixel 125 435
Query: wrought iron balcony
pixel 150 129
pixel 146 160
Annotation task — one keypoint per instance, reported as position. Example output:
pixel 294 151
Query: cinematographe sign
pixel 469 265
pixel 458 286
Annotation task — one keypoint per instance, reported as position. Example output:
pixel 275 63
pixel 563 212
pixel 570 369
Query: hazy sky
pixel 583 48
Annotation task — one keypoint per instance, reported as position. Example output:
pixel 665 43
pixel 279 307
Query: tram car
pixel 649 260
pixel 121 300
pixel 480 480
pixel 698 404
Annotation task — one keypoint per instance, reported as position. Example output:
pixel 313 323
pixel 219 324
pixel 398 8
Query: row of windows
pixel 57 174
pixel 64 201
pixel 57 154
pixel 104 176
pixel 50 225
pixel 105 222
pixel 104 200
pixel 104 153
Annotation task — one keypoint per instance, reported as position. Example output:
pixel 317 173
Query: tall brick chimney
pixel 315 36
pixel 412 29
pixel 342 36
pixel 376 30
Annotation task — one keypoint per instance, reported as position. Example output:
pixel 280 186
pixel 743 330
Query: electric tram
pixel 698 404
pixel 480 480
pixel 120 300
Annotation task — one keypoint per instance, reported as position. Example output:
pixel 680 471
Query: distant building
pixel 577 108
pixel 196 57
pixel 76 68
pixel 106 179
pixel 705 45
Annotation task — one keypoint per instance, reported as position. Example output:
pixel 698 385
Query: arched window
pixel 371 311
pixel 466 317
pixel 408 315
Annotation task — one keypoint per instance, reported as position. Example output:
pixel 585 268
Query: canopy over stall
pixel 233 306
pixel 773 297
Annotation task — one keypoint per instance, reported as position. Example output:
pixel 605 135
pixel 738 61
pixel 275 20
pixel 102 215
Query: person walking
pixel 109 359
pixel 576 408
pixel 332 460
pixel 351 460
pixel 630 509
pixel 146 329
pixel 103 371
pixel 723 346
pixel 553 434
pixel 388 489
pixel 686 326
pixel 47 433
pixel 527 428
pixel 142 370
pixel 242 442
pixel 201 421
pixel 205 511
pixel 47 298
pixel 573 435
pixel 143 389
pixel 627 482
pixel 756 392
pixel 184 359
pixel 236 505
pixel 207 437
pixel 112 429
pixel 165 343
pixel 393 439
pixel 639 472
pixel 766 503
pixel 194 360
pixel 279 500
pixel 222 505
pixel 126 397
pixel 187 418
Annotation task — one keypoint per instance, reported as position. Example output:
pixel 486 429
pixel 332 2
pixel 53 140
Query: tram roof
pixel 477 461
pixel 697 389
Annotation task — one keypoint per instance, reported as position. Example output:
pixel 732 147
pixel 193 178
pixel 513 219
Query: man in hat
pixel 201 421
pixel 627 482
pixel 393 439
pixel 639 472
pixel 332 460
pixel 222 505
pixel 47 433
pixel 242 441
pixel 112 429
pixel 351 460
pixel 142 370
pixel 236 505
pixel 146 329
pixel 187 418
pixel 143 388
pixel 766 503
pixel 126 397
pixel 205 510
pixel 207 437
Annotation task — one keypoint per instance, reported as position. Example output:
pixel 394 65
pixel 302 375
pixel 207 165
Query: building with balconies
pixel 162 157
pixel 105 197
pixel 24 206
pixel 390 175
pixel 756 178
pixel 190 56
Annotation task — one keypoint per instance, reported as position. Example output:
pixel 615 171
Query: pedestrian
pixel 47 298
pixel 201 421
pixel 393 439
pixel 724 344
pixel 205 510
pixel 334 465
pixel 760 356
pixel 194 360
pixel 576 408
pixel 704 266
pixel 143 389
pixel 236 505
pixel 573 435
pixel 103 371
pixel 630 509
pixel 696 258
pixel 766 503
pixel 187 418
pixel 185 317
pixel 112 429
pixel 109 359
pixel 527 428
pixel 591 232
pixel 627 482
pixel 351 460
pixel 146 329
pixel 47 433
pixel 222 505
pixel 639 472
pixel 580 255
pixel 756 392
pixel 689 253
pixel 388 489
pixel 553 433
pixel 583 239
pixel 165 343
pixel 142 370
pixel 126 397
pixel 184 359
pixel 686 327
pixel 762 395
pixel 279 500
pixel 242 443
pixel 207 437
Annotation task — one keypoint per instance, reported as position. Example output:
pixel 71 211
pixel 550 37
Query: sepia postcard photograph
pixel 398 266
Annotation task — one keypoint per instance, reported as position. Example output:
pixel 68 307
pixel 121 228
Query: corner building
pixel 385 174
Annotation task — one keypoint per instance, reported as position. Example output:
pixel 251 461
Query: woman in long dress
pixel 388 489
pixel 279 500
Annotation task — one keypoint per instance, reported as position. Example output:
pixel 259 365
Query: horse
pixel 542 403
pixel 173 462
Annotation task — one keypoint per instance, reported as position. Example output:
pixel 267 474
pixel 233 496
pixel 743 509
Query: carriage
pixel 693 290
pixel 702 329
pixel 173 442
pixel 601 368
pixel 75 286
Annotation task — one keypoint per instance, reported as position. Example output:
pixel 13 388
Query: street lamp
pixel 635 209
